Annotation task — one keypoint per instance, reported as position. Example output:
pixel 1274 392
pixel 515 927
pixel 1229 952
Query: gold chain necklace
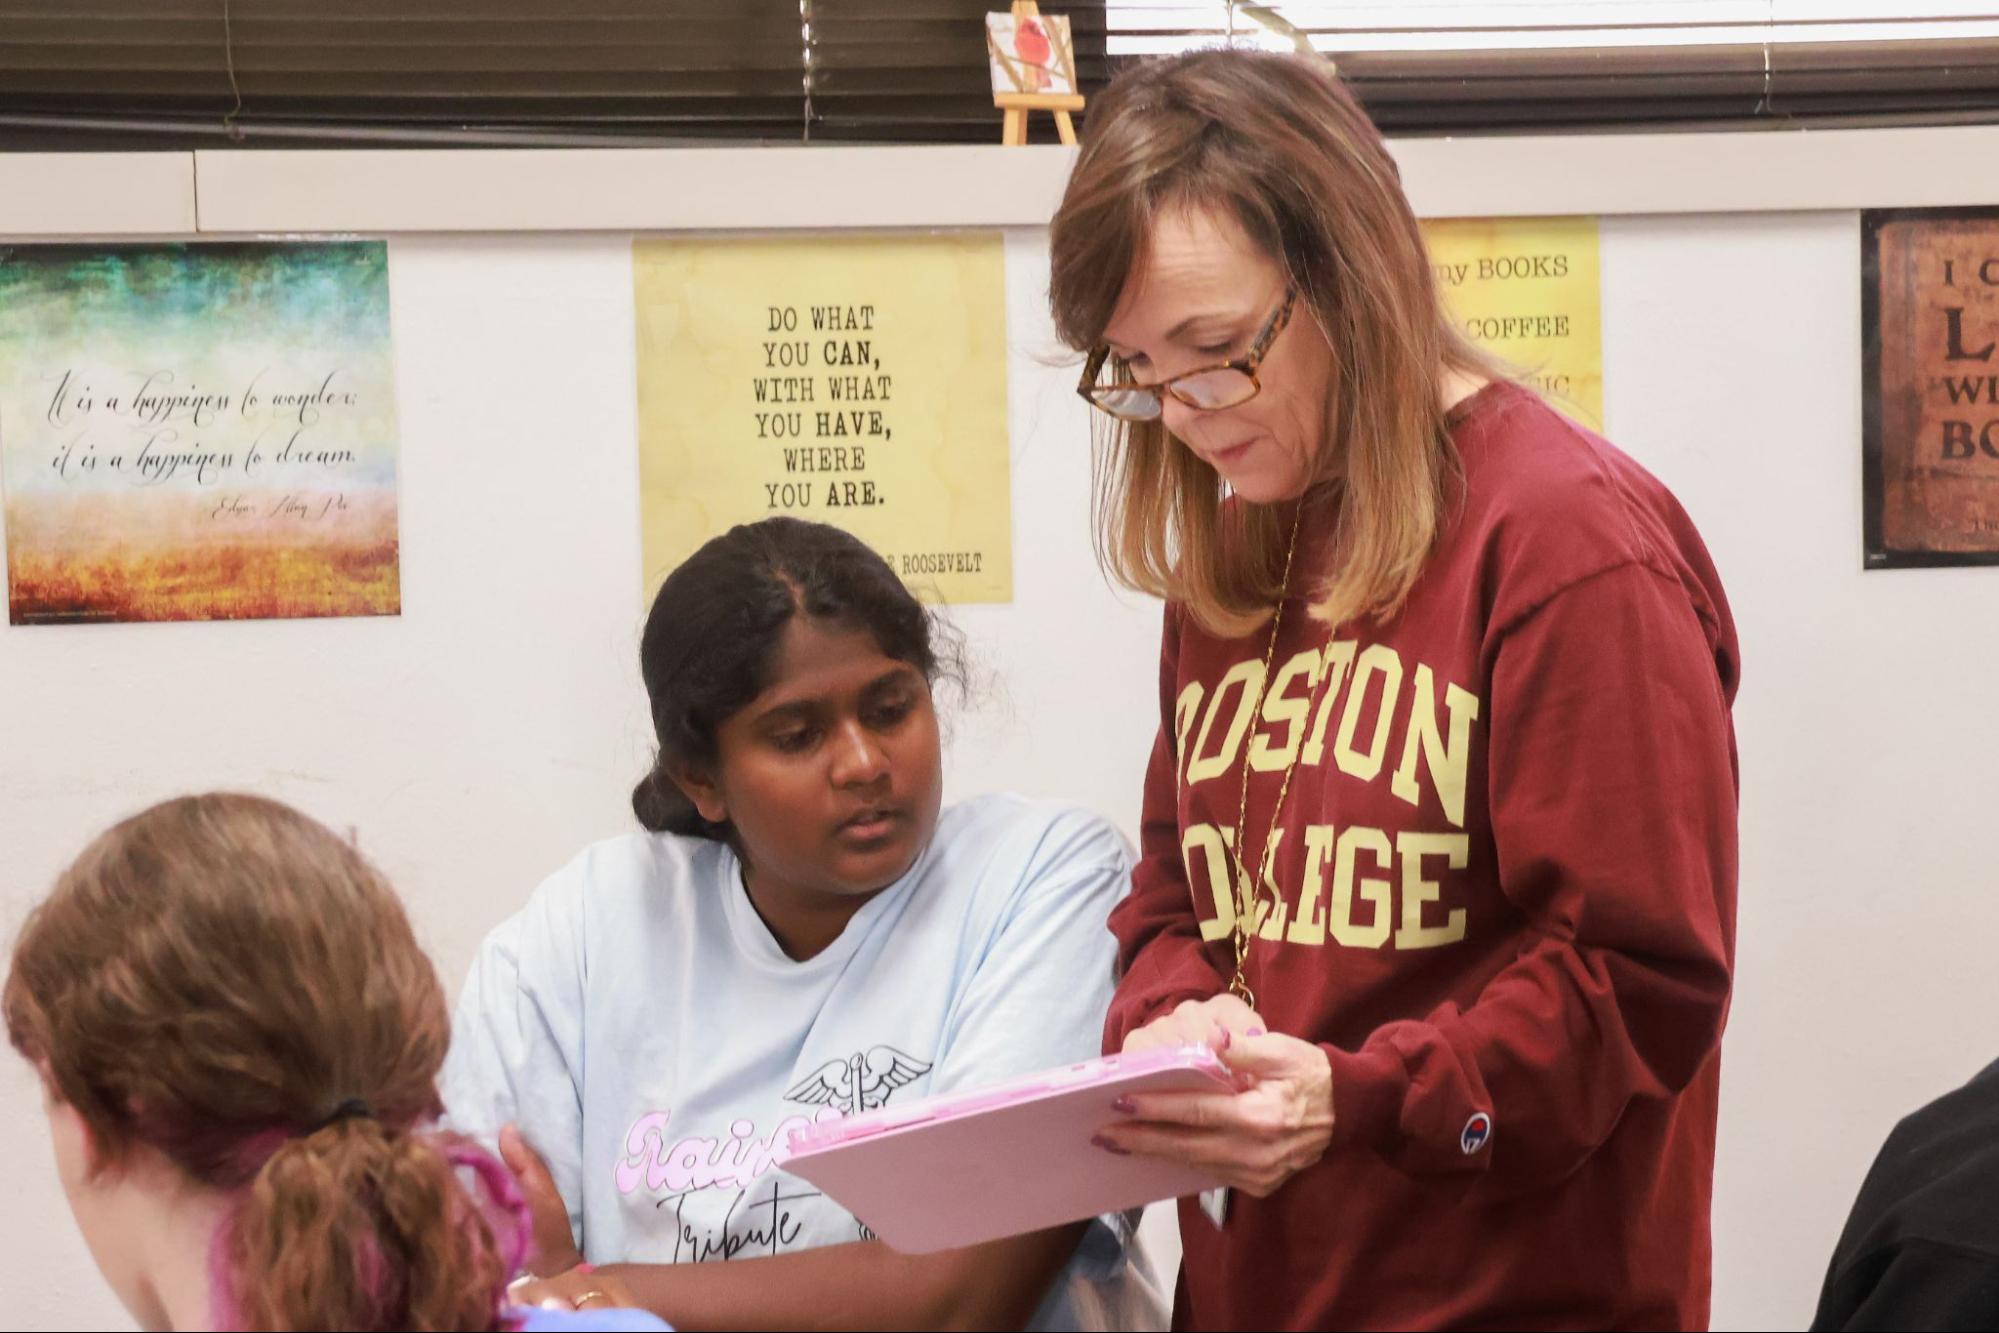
pixel 1248 886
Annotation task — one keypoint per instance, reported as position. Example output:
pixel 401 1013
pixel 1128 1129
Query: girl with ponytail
pixel 804 929
pixel 239 1041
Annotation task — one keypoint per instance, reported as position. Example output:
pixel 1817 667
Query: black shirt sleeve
pixel 1917 1284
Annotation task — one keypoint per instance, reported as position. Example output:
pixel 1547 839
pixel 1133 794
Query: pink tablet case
pixel 968 1167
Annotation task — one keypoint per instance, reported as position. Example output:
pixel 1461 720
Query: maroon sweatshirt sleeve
pixel 1162 959
pixel 1611 772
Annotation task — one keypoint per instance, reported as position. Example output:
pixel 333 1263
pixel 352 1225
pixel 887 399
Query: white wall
pixel 1864 981
pixel 477 740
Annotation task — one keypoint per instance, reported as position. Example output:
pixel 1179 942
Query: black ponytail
pixel 662 807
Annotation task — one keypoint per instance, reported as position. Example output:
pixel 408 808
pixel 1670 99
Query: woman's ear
pixel 697 783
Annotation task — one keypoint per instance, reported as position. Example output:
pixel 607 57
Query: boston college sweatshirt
pixel 1505 879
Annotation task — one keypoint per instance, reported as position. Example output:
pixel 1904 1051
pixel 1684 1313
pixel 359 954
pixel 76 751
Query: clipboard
pixel 964 1168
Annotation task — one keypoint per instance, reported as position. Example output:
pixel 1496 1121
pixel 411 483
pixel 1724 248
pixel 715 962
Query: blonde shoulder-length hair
pixel 1275 142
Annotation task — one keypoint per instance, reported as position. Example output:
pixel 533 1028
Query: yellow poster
pixel 859 381
pixel 1527 291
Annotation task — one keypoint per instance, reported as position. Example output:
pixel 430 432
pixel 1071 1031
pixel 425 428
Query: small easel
pixel 1018 104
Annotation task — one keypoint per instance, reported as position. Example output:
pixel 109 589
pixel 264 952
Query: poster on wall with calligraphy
pixel 198 431
pixel 853 380
pixel 1528 290
pixel 1929 309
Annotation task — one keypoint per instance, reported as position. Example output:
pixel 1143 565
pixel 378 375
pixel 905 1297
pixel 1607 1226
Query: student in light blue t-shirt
pixel 803 933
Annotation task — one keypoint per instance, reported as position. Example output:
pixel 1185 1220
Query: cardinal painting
pixel 1031 55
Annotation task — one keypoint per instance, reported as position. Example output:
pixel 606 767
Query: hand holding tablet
pixel 969 1167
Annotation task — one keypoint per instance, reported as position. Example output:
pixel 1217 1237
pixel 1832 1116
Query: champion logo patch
pixel 1477 1133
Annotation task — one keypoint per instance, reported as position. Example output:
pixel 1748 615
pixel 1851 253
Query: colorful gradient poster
pixel 198 431
pixel 859 381
pixel 1528 290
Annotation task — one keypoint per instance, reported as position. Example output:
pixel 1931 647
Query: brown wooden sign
pixel 1930 323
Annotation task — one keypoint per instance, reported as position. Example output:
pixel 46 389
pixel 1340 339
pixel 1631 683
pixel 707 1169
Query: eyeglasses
pixel 1207 389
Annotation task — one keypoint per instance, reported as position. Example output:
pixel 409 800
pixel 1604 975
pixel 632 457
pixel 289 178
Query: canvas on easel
pixel 1033 63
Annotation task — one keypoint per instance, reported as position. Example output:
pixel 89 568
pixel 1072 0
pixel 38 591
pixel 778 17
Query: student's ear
pixel 95 1160
pixel 79 1154
pixel 697 783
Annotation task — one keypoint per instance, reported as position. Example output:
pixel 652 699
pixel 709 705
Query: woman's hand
pixel 554 1243
pixel 1196 1021
pixel 1253 1140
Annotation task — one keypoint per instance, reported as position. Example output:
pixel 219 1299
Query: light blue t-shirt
pixel 654 1043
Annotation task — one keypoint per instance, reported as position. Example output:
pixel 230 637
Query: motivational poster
pixel 1528 291
pixel 1929 302
pixel 197 432
pixel 859 381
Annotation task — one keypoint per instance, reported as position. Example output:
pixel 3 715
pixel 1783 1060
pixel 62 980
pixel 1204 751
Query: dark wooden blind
pixel 165 73
pixel 124 73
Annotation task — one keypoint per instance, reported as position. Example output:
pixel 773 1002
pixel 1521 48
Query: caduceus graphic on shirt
pixel 861 1082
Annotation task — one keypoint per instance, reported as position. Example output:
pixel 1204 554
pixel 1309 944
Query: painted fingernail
pixel 1124 1106
pixel 1254 1032
pixel 1109 1147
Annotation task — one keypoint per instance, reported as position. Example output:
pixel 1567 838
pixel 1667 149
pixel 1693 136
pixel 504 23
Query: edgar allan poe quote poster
pixel 198 431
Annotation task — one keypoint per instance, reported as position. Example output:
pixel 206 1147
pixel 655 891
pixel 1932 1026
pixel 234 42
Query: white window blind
pixel 1512 65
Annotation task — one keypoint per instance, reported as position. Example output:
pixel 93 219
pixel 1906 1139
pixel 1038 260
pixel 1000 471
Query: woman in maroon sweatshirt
pixel 1454 676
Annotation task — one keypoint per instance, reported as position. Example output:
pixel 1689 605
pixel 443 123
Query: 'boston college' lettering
pixel 1361 888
